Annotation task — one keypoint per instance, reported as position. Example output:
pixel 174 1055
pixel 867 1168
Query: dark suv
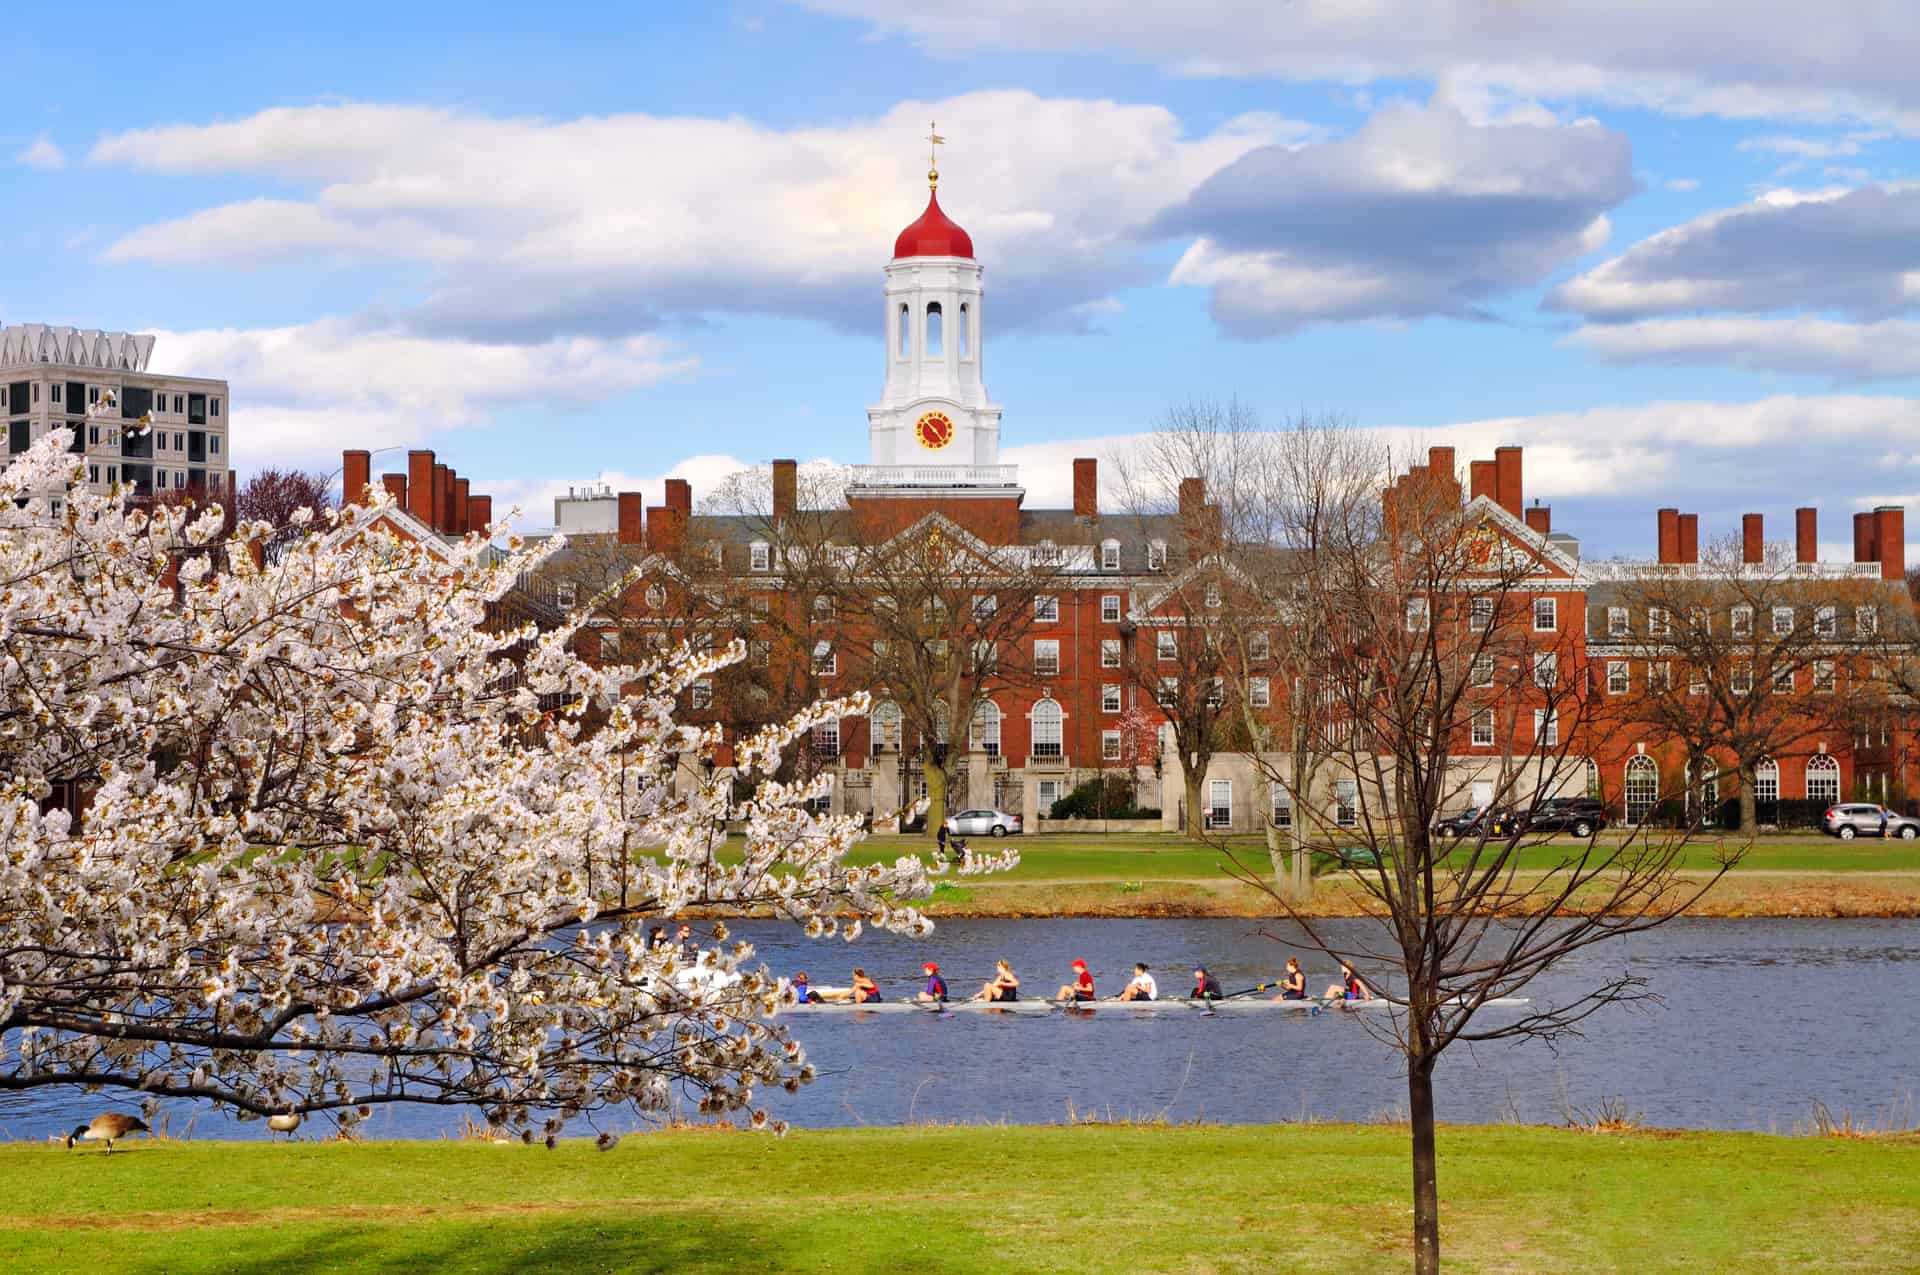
pixel 1582 816
pixel 1468 822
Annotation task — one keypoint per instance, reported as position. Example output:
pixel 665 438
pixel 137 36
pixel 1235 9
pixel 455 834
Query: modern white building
pixel 150 432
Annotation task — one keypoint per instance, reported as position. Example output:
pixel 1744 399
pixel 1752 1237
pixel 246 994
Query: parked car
pixel 1861 819
pixel 1582 816
pixel 983 823
pixel 1467 823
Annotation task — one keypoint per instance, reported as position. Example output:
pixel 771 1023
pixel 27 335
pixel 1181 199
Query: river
pixel 1760 1019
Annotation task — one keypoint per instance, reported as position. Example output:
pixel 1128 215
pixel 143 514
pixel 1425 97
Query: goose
pixel 286 1122
pixel 107 1128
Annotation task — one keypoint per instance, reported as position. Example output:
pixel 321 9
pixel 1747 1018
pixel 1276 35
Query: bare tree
pixel 272 495
pixel 1441 642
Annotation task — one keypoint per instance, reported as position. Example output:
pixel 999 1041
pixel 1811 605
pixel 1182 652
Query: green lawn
pixel 1193 1200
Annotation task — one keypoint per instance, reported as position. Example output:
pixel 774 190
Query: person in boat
pixel 689 950
pixel 657 938
pixel 1205 986
pixel 1293 985
pixel 1081 988
pixel 863 992
pixel 802 993
pixel 1141 986
pixel 936 988
pixel 1003 986
pixel 1350 987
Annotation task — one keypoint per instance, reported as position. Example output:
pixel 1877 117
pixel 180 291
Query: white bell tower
pixel 934 424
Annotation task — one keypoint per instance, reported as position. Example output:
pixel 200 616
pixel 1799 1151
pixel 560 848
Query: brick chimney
pixel 420 485
pixel 396 485
pixel 1753 545
pixel 665 525
pixel 1669 535
pixel 1806 535
pixel 1483 479
pixel 1863 528
pixel 356 469
pixel 442 492
pixel 461 500
pixel 680 498
pixel 786 489
pixel 1690 538
pixel 1890 541
pixel 1440 464
pixel 1086 487
pixel 1193 495
pixel 480 513
pixel 1540 518
pixel 631 520
pixel 1506 461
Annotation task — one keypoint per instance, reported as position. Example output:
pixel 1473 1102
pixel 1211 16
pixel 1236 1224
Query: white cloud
pixel 1812 147
pixel 1682 183
pixel 536 227
pixel 1805 345
pixel 42 154
pixel 1769 59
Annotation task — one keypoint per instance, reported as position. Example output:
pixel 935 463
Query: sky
pixel 1672 249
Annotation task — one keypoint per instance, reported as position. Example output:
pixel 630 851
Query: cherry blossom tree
pixel 299 834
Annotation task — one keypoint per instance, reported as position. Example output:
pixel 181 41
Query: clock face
pixel 934 430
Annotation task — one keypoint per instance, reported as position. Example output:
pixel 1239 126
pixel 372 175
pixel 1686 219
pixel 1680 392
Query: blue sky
pixel 1674 252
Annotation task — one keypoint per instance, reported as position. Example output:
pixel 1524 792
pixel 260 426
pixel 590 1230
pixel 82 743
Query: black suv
pixel 1582 816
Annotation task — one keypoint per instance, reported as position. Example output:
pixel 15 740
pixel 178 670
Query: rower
pixel 1141 987
pixel 936 989
pixel 1003 986
pixel 1081 988
pixel 803 994
pixel 1350 987
pixel 1205 986
pixel 1294 986
pixel 863 992
pixel 689 950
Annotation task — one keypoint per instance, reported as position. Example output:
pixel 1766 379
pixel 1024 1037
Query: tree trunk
pixel 1749 807
pixel 1196 782
pixel 936 796
pixel 1426 1178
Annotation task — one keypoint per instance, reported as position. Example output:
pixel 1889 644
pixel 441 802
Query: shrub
pixel 1102 797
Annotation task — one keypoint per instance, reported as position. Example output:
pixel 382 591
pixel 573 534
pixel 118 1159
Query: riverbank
pixel 960 1201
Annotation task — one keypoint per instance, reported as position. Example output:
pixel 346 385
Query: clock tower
pixel 934 426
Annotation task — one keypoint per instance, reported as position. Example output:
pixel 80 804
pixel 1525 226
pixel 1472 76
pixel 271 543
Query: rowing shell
pixel 1088 1007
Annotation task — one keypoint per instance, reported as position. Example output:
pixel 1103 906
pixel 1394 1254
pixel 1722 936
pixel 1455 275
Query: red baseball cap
pixel 1079 965
pixel 931 968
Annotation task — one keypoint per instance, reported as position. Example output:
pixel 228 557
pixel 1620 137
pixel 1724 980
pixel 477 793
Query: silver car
pixel 1861 819
pixel 983 823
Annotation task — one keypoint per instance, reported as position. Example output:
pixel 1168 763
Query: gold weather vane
pixel 933 161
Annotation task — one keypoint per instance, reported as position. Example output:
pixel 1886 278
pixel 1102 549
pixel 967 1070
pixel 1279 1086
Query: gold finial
pixel 933 162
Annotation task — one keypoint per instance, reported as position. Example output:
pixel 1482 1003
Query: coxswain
pixel 1205 986
pixel 803 994
pixel 1003 986
pixel 1081 988
pixel 1350 987
pixel 936 989
pixel 1141 986
pixel 1293 987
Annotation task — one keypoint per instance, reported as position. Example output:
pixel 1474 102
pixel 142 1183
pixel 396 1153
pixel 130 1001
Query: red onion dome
pixel 933 235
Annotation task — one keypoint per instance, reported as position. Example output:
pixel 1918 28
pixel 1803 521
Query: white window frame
pixel 1166 646
pixel 566 594
pixel 1219 803
pixel 1259 692
pixel 1046 657
pixel 1259 646
pixel 1110 608
pixel 1480 670
pixel 1049 728
pixel 1483 728
pixel 1619 677
pixel 1156 555
pixel 1480 615
pixel 1169 693
pixel 1740 681
pixel 985 606
pixel 1546 728
pixel 1617 622
pixel 1282 812
pixel 1109 745
pixel 826 660
pixel 1109 652
pixel 700 694
pixel 609 644
pixel 1109 555
pixel 1783 680
pixel 1110 697
pixel 1213 598
pixel 1216 692
pixel 1046 608
pixel 1782 621
pixel 760 556
pixel 1741 618
pixel 1346 803
pixel 983 733
pixel 826 738
pixel 1546 615
pixel 1659 675
pixel 1826 622
pixel 1658 624
pixel 1546 669
pixel 1419 615
pixel 1823 677
pixel 1866 621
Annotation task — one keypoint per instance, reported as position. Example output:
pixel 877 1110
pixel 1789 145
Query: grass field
pixel 1195 1200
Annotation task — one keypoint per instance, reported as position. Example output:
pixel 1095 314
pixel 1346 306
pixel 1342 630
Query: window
pixel 1824 624
pixel 1742 680
pixel 1546 728
pixel 1483 728
pixel 213 444
pixel 1109 652
pixel 760 653
pixel 1258 647
pixel 1616 622
pixel 1417 615
pixel 1766 783
pixel 1110 697
pixel 566 594
pixel 1657 624
pixel 1823 676
pixel 1703 789
pixel 1169 692
pixel 1213 594
pixel 1617 679
pixel 1046 657
pixel 1219 803
pixel 160 479
pixel 1216 692
pixel 1109 745
pixel 1110 609
pixel 700 694
pixel 1046 608
pixel 1697 680
pixel 179 442
pixel 985 606
pixel 1783 680
pixel 1659 676
pixel 1049 793
pixel 656 596
pixel 886 602
pixel 1823 778
pixel 1546 668
pixel 1109 555
pixel 213 406
pixel 1743 621
pixel 984 735
pixel 1480 673
pixel 906 331
pixel 826 661
pixel 933 329
pixel 886 727
pixel 717 554
pixel 1156 555
pixel 1782 621
pixel 963 335
pixel 1546 615
pixel 1699 621
pixel 1642 787
pixel 93 393
pixel 113 474
pixel 1480 614
pixel 93 473
pixel 1259 693
pixel 1282 807
pixel 53 392
pixel 986 657
pixel 93 435
pixel 1047 719
pixel 759 604
pixel 179 404
pixel 1866 621
pixel 822 607
pixel 1346 802
pixel 760 556
pixel 826 739
pixel 1167 645
pixel 609 646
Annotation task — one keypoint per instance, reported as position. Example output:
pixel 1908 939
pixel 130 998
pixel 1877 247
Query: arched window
pixel 1703 790
pixel 965 335
pixel 1766 785
pixel 1643 787
pixel 906 331
pixel 933 329
pixel 1823 778
pixel 942 723
pixel 886 727
pixel 984 736
pixel 1047 734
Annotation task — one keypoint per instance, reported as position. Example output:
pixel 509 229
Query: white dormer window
pixel 1616 622
pixel 1156 555
pixel 656 597
pixel 760 556
pixel 1109 555
pixel 1213 595
pixel 566 594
